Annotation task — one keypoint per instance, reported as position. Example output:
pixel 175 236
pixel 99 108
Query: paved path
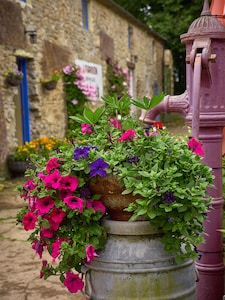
pixel 20 265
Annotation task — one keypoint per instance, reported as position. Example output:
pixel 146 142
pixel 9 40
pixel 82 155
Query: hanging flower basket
pixel 13 81
pixel 51 85
pixel 17 167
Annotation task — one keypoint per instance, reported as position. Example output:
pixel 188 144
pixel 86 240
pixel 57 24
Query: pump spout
pixel 178 103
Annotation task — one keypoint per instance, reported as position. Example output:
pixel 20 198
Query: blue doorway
pixel 24 123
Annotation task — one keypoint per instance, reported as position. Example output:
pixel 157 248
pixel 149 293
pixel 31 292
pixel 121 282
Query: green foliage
pixel 75 97
pixel 169 181
pixel 117 79
pixel 54 77
pixel 170 19
pixel 41 146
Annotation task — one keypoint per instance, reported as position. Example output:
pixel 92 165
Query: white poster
pixel 93 74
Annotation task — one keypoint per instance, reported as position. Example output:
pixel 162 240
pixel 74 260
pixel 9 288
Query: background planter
pixel 13 81
pixel 17 167
pixel 51 85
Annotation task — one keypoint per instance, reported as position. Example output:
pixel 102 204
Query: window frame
pixel 85 14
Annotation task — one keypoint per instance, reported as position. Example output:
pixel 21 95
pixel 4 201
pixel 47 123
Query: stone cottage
pixel 38 37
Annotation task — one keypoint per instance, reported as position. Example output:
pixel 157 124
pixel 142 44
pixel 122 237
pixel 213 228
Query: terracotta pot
pixel 51 85
pixel 13 81
pixel 111 191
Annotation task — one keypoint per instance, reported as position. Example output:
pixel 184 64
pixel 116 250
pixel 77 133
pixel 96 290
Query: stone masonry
pixel 61 39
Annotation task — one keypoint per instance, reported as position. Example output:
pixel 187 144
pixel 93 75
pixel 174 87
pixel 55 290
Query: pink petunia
pixel 86 129
pixel 130 134
pixel 29 221
pixel 68 70
pixel 68 182
pixel 44 204
pixel 73 282
pixel 52 164
pixel 196 146
pixel 96 205
pixel 151 133
pixel 114 123
pixel 53 181
pixel 74 202
pixel 91 254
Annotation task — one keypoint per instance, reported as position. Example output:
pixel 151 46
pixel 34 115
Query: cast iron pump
pixel 203 106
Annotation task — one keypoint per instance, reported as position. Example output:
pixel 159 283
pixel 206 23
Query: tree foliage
pixel 170 19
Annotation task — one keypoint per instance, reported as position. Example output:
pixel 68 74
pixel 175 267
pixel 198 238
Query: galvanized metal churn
pixel 134 266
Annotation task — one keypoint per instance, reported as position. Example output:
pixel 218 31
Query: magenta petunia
pixel 130 134
pixel 196 146
pixel 68 182
pixel 96 205
pixel 86 129
pixel 44 204
pixel 74 202
pixel 64 193
pixel 32 203
pixel 57 215
pixel 52 164
pixel 29 221
pixel 54 226
pixel 114 123
pixel 73 282
pixel 53 181
pixel 29 185
pixel 38 247
pixel 91 254
pixel 46 233
pixel 56 248
pixel 41 176
pixel 44 264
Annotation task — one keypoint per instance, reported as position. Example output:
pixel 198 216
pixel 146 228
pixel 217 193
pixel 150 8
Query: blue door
pixel 22 66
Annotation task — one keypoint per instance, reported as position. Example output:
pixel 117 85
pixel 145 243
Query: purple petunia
pixel 82 152
pixel 168 198
pixel 133 159
pixel 98 167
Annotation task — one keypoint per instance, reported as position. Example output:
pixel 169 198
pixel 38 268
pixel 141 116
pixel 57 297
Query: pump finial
pixel 206 10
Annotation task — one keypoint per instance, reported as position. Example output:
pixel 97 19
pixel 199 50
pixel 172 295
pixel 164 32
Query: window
pixel 130 31
pixel 85 13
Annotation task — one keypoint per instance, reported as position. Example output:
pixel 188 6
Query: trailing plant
pixel 54 77
pixel 78 93
pixel 117 79
pixel 166 175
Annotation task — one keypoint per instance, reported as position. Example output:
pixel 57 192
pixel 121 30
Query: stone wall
pixel 61 39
